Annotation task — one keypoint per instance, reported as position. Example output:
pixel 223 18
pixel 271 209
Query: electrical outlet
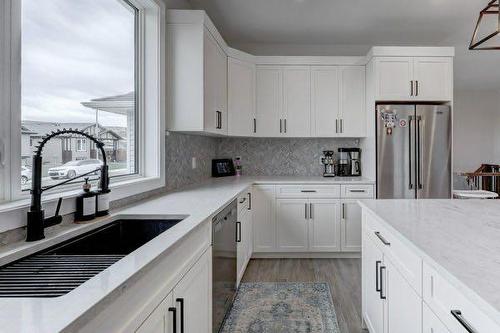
pixel 193 163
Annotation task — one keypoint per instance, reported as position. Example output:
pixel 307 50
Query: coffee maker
pixel 328 161
pixel 349 164
pixel 355 155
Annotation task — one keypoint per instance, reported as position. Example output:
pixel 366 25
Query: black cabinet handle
pixel 343 210
pixel 242 200
pixel 249 201
pixel 174 319
pixel 254 125
pixel 377 282
pixel 382 239
pixel 285 125
pixel 357 191
pixel 382 294
pixel 308 191
pixel 238 232
pixel 181 302
pixel 458 316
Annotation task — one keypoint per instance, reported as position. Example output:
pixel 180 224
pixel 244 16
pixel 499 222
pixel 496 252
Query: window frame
pixel 150 100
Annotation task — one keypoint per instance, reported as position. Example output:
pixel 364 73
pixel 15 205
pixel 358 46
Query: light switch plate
pixel 193 163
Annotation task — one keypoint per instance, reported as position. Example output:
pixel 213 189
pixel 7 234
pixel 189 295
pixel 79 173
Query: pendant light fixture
pixel 476 43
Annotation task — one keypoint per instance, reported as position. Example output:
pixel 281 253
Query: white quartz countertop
pixel 194 203
pixel 460 238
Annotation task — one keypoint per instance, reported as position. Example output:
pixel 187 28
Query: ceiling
pixel 350 27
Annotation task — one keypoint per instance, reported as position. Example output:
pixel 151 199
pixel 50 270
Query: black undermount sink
pixel 58 270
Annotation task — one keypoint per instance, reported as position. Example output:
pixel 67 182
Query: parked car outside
pixel 74 168
pixel 25 175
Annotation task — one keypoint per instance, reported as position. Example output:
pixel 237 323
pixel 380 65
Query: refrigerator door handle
pixel 410 153
pixel 419 154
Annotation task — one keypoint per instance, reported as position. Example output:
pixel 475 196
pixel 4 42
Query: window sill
pixel 13 214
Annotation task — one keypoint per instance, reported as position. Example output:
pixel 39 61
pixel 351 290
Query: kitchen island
pixel 432 263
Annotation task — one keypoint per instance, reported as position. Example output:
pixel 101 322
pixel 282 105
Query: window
pixel 112 57
pixel 81 145
pixel 79 71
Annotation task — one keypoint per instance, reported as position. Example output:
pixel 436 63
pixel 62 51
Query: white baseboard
pixel 319 255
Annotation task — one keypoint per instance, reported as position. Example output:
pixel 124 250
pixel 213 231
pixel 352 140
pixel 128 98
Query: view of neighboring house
pixel 65 148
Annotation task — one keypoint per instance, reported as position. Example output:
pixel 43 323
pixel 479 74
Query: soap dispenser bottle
pixel 102 202
pixel 86 203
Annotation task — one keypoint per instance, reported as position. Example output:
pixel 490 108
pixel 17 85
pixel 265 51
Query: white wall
pixel 178 4
pixel 476 129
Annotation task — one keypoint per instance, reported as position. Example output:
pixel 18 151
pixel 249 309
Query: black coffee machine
pixel 349 164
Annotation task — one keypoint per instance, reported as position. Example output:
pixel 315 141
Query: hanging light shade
pixel 483 43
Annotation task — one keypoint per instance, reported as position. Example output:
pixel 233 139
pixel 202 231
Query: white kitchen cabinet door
pixel 292 225
pixel 161 319
pixel 373 304
pixel 296 101
pixel 212 81
pixel 325 101
pixel 221 90
pixel 351 226
pixel 192 297
pixel 244 244
pixel 241 98
pixel 394 76
pixel 324 225
pixel 404 306
pixel 269 100
pixel 264 218
pixel 352 101
pixel 433 78
pixel 431 323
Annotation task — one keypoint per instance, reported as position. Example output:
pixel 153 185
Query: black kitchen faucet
pixel 36 217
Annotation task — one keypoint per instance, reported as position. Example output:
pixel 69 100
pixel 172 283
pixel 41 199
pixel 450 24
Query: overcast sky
pixel 74 51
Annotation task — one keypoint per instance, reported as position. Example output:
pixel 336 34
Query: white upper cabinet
pixel 352 102
pixel 433 78
pixel 338 101
pixel 394 76
pixel 414 78
pixel 215 86
pixel 197 73
pixel 241 98
pixel 325 104
pixel 296 116
pixel 269 101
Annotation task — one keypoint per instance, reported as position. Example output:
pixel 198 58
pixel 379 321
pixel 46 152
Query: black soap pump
pixel 85 203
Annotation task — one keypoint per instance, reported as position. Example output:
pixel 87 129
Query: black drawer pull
pixel 308 191
pixel 249 201
pixel 174 319
pixel 181 302
pixel 357 191
pixel 382 294
pixel 377 282
pixel 382 239
pixel 458 316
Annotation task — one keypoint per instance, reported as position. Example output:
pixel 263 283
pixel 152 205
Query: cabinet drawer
pixel 308 191
pixel 357 191
pixel 403 258
pixel 443 298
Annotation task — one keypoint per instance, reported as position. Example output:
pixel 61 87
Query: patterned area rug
pixel 282 308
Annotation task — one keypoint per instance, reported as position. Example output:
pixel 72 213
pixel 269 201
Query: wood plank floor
pixel 343 276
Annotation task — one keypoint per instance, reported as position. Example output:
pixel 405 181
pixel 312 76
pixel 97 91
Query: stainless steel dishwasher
pixel 224 240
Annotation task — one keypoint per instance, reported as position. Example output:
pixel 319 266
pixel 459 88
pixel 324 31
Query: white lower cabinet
pixel 162 318
pixel 245 239
pixel 190 302
pixel 431 323
pixel 373 302
pixel 390 304
pixel 308 218
pixel 264 226
pixel 350 226
pixel 291 221
pixel 324 225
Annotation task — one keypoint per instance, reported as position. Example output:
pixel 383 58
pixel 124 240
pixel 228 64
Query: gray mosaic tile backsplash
pixel 280 156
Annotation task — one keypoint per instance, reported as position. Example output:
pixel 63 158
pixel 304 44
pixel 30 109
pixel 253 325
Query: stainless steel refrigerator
pixel 413 151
